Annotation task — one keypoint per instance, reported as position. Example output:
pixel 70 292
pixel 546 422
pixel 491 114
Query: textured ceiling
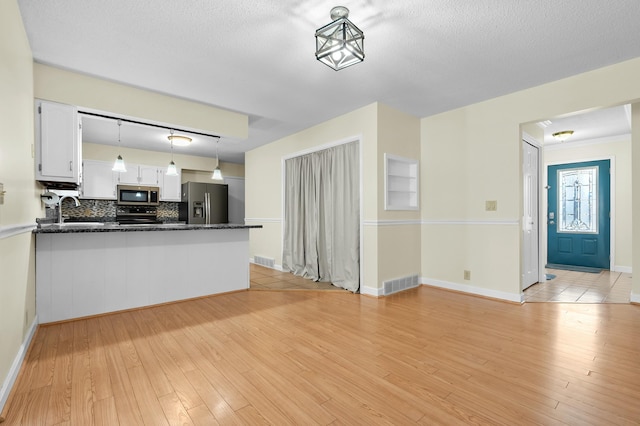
pixel 257 57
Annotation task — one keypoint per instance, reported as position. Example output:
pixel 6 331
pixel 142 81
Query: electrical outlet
pixel 467 275
pixel 491 205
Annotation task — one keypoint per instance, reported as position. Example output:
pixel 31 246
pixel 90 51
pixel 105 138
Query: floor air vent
pixel 264 261
pixel 400 284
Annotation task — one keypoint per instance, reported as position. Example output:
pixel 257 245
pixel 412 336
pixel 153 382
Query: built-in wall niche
pixel 400 183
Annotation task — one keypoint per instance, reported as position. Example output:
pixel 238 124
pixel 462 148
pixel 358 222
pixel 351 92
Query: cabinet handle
pixel 70 166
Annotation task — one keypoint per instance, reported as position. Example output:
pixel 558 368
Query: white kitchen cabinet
pixel 98 180
pixel 138 174
pixel 170 186
pixel 130 177
pixel 58 147
pixel 148 175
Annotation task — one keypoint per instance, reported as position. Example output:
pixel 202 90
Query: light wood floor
pixel 263 278
pixel 582 287
pixel 424 356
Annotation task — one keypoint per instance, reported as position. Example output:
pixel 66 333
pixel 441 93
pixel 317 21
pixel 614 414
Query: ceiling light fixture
pixel 563 135
pixel 217 173
pixel 119 166
pixel 171 169
pixel 179 140
pixel 339 44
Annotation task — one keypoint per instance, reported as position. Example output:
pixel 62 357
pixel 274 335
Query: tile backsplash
pixel 105 210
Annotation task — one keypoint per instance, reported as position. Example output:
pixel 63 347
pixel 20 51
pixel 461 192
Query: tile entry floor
pixel 263 278
pixel 582 287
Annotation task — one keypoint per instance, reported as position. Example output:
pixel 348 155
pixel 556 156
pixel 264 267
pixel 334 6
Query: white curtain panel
pixel 322 216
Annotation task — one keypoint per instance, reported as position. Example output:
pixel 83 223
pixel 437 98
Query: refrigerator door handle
pixel 207 201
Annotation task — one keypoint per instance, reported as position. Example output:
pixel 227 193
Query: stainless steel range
pixel 136 215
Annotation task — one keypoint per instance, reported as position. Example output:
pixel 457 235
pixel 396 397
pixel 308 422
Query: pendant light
pixel 119 166
pixel 340 43
pixel 171 169
pixel 217 173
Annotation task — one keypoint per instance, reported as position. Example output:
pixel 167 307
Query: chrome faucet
pixel 60 205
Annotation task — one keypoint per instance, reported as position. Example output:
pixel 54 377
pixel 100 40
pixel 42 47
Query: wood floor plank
pixel 99 374
pixel 251 416
pixel 59 409
pixel 124 397
pixel 196 341
pixel 217 405
pixel 201 416
pixel 147 356
pixel 174 410
pixel 105 411
pixel 163 347
pixel 81 386
pixel 423 356
pixel 37 402
pixel 149 405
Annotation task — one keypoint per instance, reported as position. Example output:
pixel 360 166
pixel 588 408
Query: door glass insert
pixel 577 200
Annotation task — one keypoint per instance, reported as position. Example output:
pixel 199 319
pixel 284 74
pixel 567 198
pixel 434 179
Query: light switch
pixel 491 205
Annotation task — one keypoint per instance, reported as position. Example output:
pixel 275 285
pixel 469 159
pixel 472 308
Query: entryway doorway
pixel 599 148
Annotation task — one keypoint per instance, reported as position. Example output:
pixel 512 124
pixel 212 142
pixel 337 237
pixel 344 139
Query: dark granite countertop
pixel 76 227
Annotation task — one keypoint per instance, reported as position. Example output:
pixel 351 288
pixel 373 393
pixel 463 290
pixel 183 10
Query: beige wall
pixel 635 162
pixel 398 244
pixel 380 130
pixel 85 91
pixel 196 167
pixel 263 178
pixel 21 202
pixel 620 153
pixel 473 154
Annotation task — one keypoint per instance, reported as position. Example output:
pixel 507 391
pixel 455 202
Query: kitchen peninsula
pixel 85 269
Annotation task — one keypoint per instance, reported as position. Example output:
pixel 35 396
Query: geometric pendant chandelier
pixel 339 44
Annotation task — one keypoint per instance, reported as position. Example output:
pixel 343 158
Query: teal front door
pixel 578 220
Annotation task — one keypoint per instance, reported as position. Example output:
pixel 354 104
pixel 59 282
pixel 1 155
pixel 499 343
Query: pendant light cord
pixel 119 125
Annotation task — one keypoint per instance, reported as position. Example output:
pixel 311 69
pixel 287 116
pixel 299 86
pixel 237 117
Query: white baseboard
pixel 625 269
pixel 494 294
pixel 635 298
pixel 17 363
pixel 371 291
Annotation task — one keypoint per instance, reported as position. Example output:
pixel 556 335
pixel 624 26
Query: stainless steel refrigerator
pixel 204 203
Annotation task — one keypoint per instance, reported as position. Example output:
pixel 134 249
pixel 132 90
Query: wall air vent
pixel 264 261
pixel 400 284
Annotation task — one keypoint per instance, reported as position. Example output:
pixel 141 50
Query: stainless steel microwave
pixel 133 195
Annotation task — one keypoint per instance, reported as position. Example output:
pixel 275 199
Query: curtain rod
pixel 148 124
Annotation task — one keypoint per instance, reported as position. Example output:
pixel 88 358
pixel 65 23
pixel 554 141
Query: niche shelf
pixel 400 183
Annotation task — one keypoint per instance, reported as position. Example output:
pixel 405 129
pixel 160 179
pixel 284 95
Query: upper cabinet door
pixel 98 180
pixel 148 175
pixel 58 145
pixel 170 187
pixel 130 177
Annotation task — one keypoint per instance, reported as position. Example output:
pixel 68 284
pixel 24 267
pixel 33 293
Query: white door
pixel 530 219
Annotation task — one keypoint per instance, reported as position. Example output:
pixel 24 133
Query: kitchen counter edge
pixel 74 229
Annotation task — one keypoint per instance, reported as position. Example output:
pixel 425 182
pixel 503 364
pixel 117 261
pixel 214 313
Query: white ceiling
pixel 257 57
